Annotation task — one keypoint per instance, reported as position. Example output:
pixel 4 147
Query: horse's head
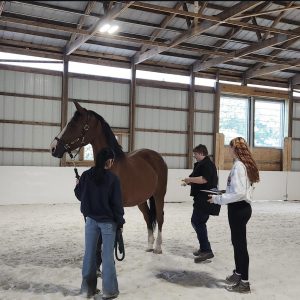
pixel 77 133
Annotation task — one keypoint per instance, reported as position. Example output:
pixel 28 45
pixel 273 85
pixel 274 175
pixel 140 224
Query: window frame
pixel 251 118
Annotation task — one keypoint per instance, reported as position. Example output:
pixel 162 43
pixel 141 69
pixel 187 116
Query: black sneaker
pixel 241 287
pixel 198 252
pixel 233 278
pixel 203 256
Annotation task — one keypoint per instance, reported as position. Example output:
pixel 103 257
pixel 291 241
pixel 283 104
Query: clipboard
pixel 213 191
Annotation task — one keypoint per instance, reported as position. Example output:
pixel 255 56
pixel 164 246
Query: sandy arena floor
pixel 42 248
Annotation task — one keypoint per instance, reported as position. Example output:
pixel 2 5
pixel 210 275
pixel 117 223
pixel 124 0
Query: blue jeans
pixel 93 229
pixel 198 221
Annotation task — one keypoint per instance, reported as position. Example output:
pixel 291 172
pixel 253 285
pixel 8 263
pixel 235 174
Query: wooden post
pixel 287 154
pixel 219 151
pixel 190 119
pixel 291 102
pixel 216 116
pixel 132 110
pixel 64 100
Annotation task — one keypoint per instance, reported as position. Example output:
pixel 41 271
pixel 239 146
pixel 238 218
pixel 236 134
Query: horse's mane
pixel 110 137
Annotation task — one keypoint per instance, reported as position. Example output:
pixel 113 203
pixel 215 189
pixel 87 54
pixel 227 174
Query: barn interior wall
pixel 30 104
pixel 52 185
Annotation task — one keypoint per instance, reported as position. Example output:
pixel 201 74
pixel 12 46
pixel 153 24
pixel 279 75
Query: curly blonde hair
pixel 242 151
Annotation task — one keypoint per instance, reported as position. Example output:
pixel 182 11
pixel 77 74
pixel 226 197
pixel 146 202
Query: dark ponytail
pixel 101 158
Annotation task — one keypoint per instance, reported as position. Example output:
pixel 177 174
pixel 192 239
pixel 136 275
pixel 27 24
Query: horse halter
pixel 67 146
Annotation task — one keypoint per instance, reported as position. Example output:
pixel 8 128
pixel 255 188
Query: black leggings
pixel 239 214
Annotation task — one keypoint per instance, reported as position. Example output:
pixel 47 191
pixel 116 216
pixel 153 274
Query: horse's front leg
pixel 157 249
pixel 150 240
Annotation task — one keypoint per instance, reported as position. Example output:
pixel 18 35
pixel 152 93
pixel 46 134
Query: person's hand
pixel 187 180
pixel 210 199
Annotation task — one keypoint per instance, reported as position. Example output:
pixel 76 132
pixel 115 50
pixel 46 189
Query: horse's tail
pixel 152 213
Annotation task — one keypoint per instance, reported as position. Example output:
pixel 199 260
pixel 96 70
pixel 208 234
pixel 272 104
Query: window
pixel 269 124
pixel 237 114
pixel 234 117
pixel 88 149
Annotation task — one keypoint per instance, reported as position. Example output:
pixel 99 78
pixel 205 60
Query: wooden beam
pixel 272 69
pixel 132 108
pixel 197 29
pixel 117 9
pixel 162 26
pixel 87 11
pixel 2 4
pixel 278 39
pixel 296 80
pixel 29 123
pixel 253 91
pixel 191 121
pixel 267 12
pixel 64 102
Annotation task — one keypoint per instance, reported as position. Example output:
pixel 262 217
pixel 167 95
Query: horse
pixel 143 173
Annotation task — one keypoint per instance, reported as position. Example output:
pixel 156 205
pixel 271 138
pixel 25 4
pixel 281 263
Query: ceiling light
pixel 113 29
pixel 104 28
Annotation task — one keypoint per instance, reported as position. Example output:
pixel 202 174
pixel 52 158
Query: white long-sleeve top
pixel 238 186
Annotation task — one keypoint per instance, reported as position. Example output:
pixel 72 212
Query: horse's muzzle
pixel 58 150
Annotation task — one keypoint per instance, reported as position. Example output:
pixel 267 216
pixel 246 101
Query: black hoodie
pixel 101 202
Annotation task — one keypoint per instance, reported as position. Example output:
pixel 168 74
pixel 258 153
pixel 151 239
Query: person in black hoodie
pixel 203 177
pixel 99 192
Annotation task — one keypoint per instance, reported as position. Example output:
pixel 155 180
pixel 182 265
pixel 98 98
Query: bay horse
pixel 143 173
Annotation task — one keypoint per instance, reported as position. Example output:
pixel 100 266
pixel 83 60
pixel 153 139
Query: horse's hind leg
pixel 146 213
pixel 159 205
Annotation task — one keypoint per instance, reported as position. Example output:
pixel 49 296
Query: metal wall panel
pixel 84 89
pixel 26 136
pixel 296 129
pixel 161 142
pixel 296 110
pixel 26 109
pixel 161 97
pixel 174 162
pixel 204 101
pixel 296 134
pixel 32 110
pixel 115 116
pixel 207 140
pixel 161 119
pixel 204 122
pixel 27 159
pixel 30 83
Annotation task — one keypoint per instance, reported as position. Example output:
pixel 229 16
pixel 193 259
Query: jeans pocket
pixel 107 228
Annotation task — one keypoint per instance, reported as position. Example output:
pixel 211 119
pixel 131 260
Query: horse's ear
pixel 78 107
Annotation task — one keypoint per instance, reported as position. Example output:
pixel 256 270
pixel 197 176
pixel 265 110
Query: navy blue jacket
pixel 102 202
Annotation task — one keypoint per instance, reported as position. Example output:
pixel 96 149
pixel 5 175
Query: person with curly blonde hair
pixel 238 196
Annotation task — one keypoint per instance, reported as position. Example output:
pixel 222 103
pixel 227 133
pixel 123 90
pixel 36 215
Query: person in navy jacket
pixel 99 192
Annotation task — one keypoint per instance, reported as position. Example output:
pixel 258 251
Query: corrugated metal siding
pixel 149 118
pixel 161 97
pixel 204 121
pixel 116 116
pixel 98 90
pixel 161 142
pixel 161 119
pixel 296 134
pixel 30 83
pixel 206 140
pixel 28 109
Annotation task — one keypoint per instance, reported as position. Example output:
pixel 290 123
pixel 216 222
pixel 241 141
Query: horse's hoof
pixel 157 251
pixel 149 250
